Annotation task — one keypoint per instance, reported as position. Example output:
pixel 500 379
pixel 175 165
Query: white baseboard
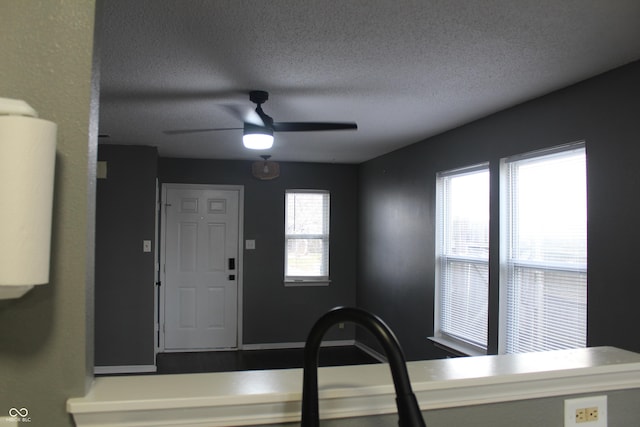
pixel 286 345
pixel 125 369
pixel 198 350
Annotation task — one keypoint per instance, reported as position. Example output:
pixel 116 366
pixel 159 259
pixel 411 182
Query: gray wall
pixel 274 313
pixel 397 207
pixel 46 337
pixel 124 274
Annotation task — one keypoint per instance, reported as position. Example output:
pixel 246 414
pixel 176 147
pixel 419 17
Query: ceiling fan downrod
pixel 259 97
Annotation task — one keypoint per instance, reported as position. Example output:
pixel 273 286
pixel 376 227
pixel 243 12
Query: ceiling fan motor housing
pixel 258 96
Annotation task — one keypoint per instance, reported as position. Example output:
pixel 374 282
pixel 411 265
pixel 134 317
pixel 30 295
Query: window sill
pixel 456 347
pixel 306 282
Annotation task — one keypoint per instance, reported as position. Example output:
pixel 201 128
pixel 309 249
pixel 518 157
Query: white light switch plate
pixel 101 170
pixel 146 246
pixel 250 244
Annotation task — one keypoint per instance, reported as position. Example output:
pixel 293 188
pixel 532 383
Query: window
pixel 540 278
pixel 307 236
pixel 462 258
pixel 544 289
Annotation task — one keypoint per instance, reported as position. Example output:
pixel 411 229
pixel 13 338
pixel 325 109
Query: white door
pixel 200 268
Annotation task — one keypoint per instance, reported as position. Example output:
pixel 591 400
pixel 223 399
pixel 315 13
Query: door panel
pixel 216 249
pixel 217 300
pixel 188 246
pixel 201 291
pixel 187 307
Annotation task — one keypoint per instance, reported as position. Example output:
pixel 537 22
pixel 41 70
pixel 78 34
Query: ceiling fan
pixel 259 128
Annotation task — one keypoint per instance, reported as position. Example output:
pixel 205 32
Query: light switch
pixel 250 244
pixel 146 246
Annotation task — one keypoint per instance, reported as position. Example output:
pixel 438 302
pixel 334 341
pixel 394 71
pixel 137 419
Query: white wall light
pixel 257 137
pixel 27 161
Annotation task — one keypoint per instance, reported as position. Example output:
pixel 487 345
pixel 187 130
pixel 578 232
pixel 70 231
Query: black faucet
pixel 408 410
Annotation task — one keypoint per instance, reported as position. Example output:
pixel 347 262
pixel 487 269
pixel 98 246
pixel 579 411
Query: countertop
pixel 274 396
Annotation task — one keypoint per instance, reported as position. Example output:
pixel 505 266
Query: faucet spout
pixel 408 410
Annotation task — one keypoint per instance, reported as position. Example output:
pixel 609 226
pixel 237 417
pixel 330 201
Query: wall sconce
pixel 27 163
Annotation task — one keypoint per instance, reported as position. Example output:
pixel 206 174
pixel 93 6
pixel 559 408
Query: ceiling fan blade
pixel 312 126
pixel 186 131
pixel 244 114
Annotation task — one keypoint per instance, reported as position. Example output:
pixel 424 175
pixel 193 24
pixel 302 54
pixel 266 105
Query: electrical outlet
pixel 581 415
pixel 586 412
pixel 592 414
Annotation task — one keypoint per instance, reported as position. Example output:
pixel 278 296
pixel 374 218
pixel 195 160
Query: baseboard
pixel 125 369
pixel 371 352
pixel 287 345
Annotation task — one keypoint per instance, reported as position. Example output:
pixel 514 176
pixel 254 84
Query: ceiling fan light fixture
pixel 257 137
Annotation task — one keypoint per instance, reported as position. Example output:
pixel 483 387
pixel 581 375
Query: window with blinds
pixel 546 251
pixel 306 236
pixel 462 258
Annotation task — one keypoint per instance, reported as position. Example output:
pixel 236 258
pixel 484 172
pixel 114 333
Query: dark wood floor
pixel 223 361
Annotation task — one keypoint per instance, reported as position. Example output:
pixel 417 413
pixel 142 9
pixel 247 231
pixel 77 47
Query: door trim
pixel 156 277
pixel 162 254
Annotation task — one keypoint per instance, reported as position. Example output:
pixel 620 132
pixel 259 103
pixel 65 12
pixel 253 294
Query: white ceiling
pixel 402 70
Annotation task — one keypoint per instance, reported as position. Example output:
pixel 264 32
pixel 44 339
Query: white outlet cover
pixel 572 405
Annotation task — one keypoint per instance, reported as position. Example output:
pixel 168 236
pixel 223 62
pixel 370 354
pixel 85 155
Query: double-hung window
pixel 306 236
pixel 462 258
pixel 542 245
pixel 544 269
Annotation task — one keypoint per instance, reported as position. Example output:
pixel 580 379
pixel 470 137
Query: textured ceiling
pixel 402 70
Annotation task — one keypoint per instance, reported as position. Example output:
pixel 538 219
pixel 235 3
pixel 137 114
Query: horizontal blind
pixel 547 310
pixel 463 255
pixel 307 234
pixel 463 302
pixel 547 252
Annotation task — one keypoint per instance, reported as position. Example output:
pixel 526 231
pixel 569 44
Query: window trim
pixel 302 281
pixel 506 264
pixel 498 267
pixel 440 338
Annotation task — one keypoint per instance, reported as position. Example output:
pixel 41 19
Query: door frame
pixel 160 290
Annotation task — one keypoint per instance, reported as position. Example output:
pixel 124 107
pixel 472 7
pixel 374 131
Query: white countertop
pixel 274 396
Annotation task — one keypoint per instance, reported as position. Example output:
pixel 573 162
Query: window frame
pixel 508 265
pixel 320 280
pixel 442 337
pixel 498 273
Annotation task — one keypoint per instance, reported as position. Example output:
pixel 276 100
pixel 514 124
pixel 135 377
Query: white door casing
pixel 201 269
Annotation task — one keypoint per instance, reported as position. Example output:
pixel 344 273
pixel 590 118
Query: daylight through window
pixel 540 280
pixel 462 263
pixel 307 236
pixel 546 251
